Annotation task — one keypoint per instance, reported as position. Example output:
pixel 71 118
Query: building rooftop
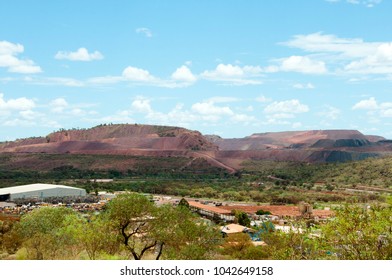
pixel 214 209
pixel 278 210
pixel 233 228
pixel 33 187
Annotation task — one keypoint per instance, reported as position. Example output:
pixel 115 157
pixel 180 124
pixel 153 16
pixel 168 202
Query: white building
pixel 40 191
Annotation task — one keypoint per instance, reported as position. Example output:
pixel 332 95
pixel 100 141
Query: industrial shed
pixel 39 191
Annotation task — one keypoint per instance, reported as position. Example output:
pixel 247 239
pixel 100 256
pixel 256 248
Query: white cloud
pixel 234 74
pixel 18 104
pixel 279 112
pixel 297 125
pixel 282 116
pixel 62 108
pixel 184 74
pixel 293 106
pixel 29 115
pixel 272 121
pixel 141 105
pixel 350 56
pixel 374 109
pixel 263 99
pixel 181 77
pixel 242 118
pixel 145 31
pixel 366 3
pixel 19 122
pixel 54 81
pixel 386 113
pixel 138 75
pixel 249 108
pixel 81 54
pixel 318 42
pixel 302 64
pixel 330 112
pixel 177 116
pixel 208 108
pixel 222 99
pixel 378 63
pixel 368 104
pixel 105 80
pixel 18 112
pixel 303 86
pixel 9 59
pixel 58 105
pixel 206 113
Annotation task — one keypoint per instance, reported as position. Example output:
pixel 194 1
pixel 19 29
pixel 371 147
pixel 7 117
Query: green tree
pixel 242 218
pixel 263 212
pixel 10 240
pixel 236 245
pixel 166 231
pixel 361 233
pixel 93 235
pixel 43 236
pixel 182 235
pixel 293 245
pixel 132 217
pixel 184 203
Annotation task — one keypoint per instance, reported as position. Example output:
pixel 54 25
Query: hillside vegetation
pixel 371 172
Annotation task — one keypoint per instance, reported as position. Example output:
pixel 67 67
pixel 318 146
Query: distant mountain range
pixel 166 141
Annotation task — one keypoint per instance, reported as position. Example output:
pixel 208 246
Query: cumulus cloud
pixel 374 108
pixel 181 77
pixel 378 63
pixel 141 105
pixel 136 74
pixel 81 54
pixel 293 106
pixel 145 31
pixel 29 115
pixel 19 122
pixel 303 86
pixel 209 108
pixel 205 112
pixel 18 111
pixel 350 55
pixel 279 112
pixel 183 74
pixel 263 99
pixel 330 112
pixel 18 104
pixel 58 105
pixel 63 108
pixel 242 118
pixel 368 104
pixel 302 64
pixel 234 74
pixel 9 59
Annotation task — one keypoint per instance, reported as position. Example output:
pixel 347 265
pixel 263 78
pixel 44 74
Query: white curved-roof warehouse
pixel 41 191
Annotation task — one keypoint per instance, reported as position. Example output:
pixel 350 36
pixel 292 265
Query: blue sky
pixel 230 68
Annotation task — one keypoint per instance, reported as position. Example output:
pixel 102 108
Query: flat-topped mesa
pixel 118 137
pixel 308 136
pixel 287 139
pixel 101 132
